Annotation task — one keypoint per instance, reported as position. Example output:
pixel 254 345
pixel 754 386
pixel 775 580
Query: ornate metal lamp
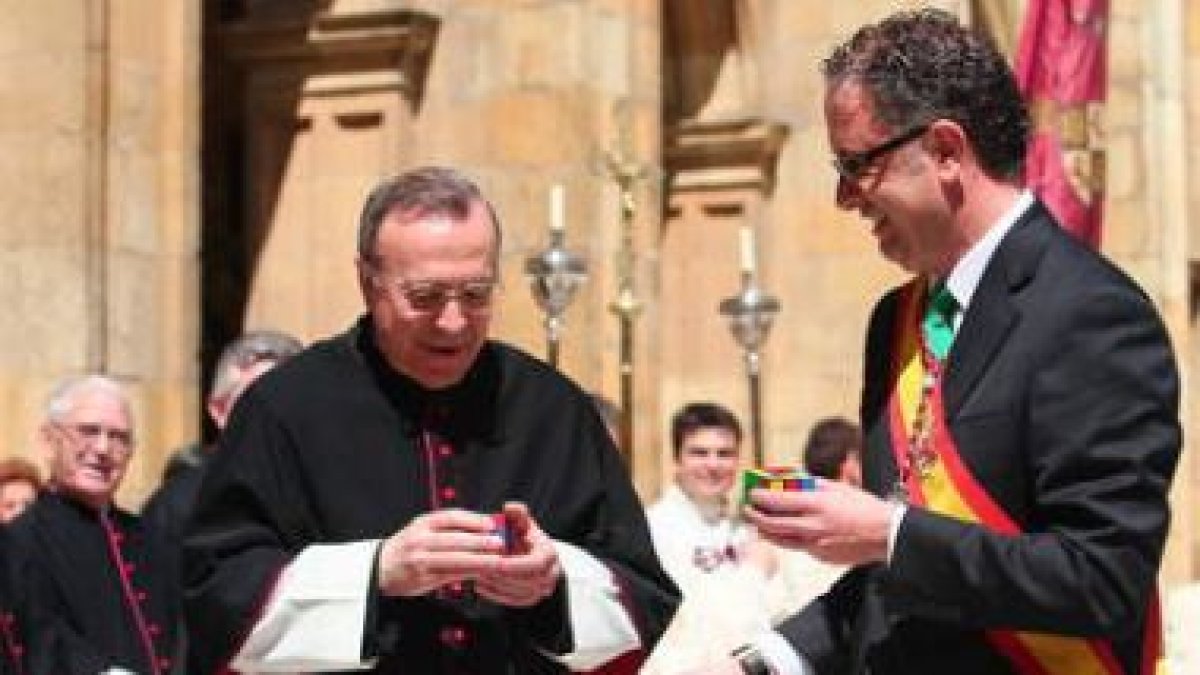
pixel 750 314
pixel 554 275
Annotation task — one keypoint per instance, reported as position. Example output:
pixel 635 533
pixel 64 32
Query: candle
pixel 557 208
pixel 747 249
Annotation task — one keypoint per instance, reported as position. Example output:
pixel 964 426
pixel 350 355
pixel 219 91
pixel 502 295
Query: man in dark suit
pixel 1019 404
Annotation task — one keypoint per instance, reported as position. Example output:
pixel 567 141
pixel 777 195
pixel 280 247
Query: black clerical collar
pixel 68 501
pixel 468 407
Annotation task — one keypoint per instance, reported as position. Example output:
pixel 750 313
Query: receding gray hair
pixel 256 346
pixel 432 190
pixel 62 398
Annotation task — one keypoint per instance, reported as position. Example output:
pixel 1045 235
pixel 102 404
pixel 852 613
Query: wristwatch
pixel 751 661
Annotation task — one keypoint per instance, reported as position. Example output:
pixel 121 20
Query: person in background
pixel 834 450
pixel 242 361
pixel 693 524
pixel 413 497
pixel 728 576
pixel 89 588
pixel 20 484
pixel 1020 399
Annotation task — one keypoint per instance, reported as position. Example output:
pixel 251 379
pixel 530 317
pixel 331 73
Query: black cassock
pixel 92 590
pixel 334 446
pixel 12 640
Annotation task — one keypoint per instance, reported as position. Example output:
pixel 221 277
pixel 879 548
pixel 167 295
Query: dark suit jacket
pixel 1061 393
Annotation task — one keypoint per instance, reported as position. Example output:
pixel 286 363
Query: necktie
pixel 938 323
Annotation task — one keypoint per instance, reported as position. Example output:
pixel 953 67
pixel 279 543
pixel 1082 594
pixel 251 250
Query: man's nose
pixel 452 318
pixel 104 442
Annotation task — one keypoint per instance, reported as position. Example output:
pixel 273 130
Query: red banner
pixel 1062 69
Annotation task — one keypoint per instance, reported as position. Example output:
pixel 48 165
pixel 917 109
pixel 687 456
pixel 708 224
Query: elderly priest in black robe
pixel 92 585
pixel 411 497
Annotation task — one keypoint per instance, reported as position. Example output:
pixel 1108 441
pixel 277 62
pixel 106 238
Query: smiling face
pixel 89 446
pixel 425 288
pixel 707 464
pixel 897 192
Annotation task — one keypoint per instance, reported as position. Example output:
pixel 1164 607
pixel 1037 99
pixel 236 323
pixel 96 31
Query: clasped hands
pixel 517 568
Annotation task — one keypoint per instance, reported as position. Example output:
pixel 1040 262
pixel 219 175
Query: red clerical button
pixel 118 536
pixel 153 629
pixel 128 567
pixel 140 595
pixel 164 664
pixel 449 493
pixel 445 450
pixel 454 636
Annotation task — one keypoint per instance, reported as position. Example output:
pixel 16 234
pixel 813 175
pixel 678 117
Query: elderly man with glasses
pixel 412 497
pixel 90 581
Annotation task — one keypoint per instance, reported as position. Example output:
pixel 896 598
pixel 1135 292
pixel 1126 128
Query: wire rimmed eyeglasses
pixel 429 296
pixel 119 439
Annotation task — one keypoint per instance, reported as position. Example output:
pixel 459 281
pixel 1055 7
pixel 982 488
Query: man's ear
pixel 949 147
pixel 218 411
pixel 364 278
pixel 47 441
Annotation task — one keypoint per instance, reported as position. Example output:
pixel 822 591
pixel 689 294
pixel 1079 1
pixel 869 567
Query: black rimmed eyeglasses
pixel 852 165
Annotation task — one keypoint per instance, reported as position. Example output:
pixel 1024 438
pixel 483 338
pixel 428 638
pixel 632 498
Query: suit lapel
pixel 993 312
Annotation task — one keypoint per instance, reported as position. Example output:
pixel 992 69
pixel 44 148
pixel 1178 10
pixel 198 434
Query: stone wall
pixel 99 184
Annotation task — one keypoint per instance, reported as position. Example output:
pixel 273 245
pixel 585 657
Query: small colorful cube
pixel 782 478
pixel 502 527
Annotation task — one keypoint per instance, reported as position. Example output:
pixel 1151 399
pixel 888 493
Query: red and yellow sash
pixel 947 487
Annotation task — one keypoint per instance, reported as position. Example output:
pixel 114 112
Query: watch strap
pixel 751 660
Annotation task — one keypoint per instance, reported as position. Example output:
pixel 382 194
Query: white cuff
pixel 316 614
pixel 778 654
pixel 894 529
pixel 600 625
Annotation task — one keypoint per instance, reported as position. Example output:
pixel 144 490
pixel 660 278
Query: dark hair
pixel 702 415
pixel 830 442
pixel 922 66
pixel 427 190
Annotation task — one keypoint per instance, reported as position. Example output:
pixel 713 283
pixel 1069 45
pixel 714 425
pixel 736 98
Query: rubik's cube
pixel 782 478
